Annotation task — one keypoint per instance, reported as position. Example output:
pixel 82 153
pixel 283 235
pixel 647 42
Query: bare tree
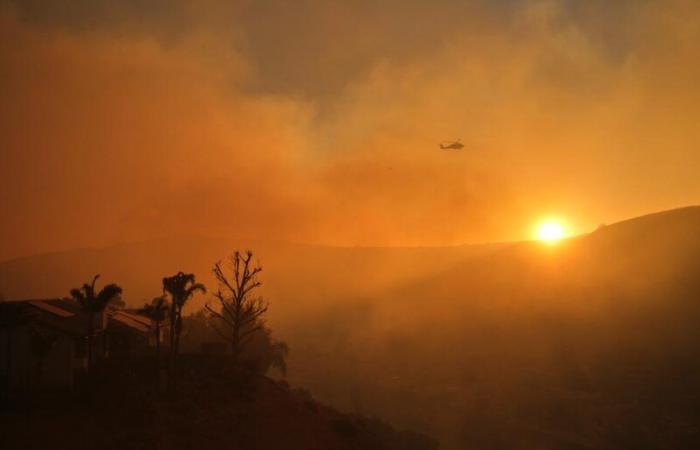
pixel 240 310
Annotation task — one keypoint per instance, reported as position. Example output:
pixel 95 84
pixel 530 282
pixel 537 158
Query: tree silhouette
pixel 241 312
pixel 157 311
pixel 280 350
pixel 180 287
pixel 93 304
pixel 263 352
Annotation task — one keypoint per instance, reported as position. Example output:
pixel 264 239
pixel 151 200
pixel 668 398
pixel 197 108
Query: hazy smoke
pixel 320 121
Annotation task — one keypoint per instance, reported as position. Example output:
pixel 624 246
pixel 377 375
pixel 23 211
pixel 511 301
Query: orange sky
pixel 320 121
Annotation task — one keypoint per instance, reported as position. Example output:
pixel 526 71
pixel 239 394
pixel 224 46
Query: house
pixel 129 332
pixel 43 342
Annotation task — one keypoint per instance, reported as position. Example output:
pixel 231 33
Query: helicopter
pixel 452 145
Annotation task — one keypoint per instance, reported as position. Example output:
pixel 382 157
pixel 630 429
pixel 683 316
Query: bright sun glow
pixel 550 230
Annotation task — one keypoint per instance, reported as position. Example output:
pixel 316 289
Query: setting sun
pixel 550 230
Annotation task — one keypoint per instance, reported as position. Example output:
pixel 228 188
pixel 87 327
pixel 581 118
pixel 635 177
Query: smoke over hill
pixel 495 346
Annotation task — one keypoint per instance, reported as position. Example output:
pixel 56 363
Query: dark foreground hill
pixel 216 408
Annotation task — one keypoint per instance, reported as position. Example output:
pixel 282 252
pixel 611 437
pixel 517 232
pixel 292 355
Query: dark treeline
pixel 232 329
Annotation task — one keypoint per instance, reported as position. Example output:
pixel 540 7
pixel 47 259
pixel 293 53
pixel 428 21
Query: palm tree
pixel 180 287
pixel 157 311
pixel 94 303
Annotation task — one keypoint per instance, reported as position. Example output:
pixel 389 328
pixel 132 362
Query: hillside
pixel 215 409
pixel 579 345
pixel 572 346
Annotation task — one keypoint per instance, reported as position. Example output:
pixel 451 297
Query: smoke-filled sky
pixel 319 121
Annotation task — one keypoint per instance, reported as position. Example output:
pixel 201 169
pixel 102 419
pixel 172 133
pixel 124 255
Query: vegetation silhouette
pixel 157 311
pixel 240 310
pixel 94 304
pixel 223 398
pixel 180 288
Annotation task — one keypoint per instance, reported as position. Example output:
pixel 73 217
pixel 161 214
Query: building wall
pixel 58 365
pixel 29 372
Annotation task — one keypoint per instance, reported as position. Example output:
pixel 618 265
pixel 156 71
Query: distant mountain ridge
pixel 298 270
pixel 140 266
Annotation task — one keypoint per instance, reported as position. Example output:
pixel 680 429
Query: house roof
pixel 132 320
pixel 55 313
pixel 53 309
pixel 65 314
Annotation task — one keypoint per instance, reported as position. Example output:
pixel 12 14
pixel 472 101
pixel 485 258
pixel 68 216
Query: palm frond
pixel 79 296
pixel 198 287
pixel 181 287
pixel 108 294
pixel 157 310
